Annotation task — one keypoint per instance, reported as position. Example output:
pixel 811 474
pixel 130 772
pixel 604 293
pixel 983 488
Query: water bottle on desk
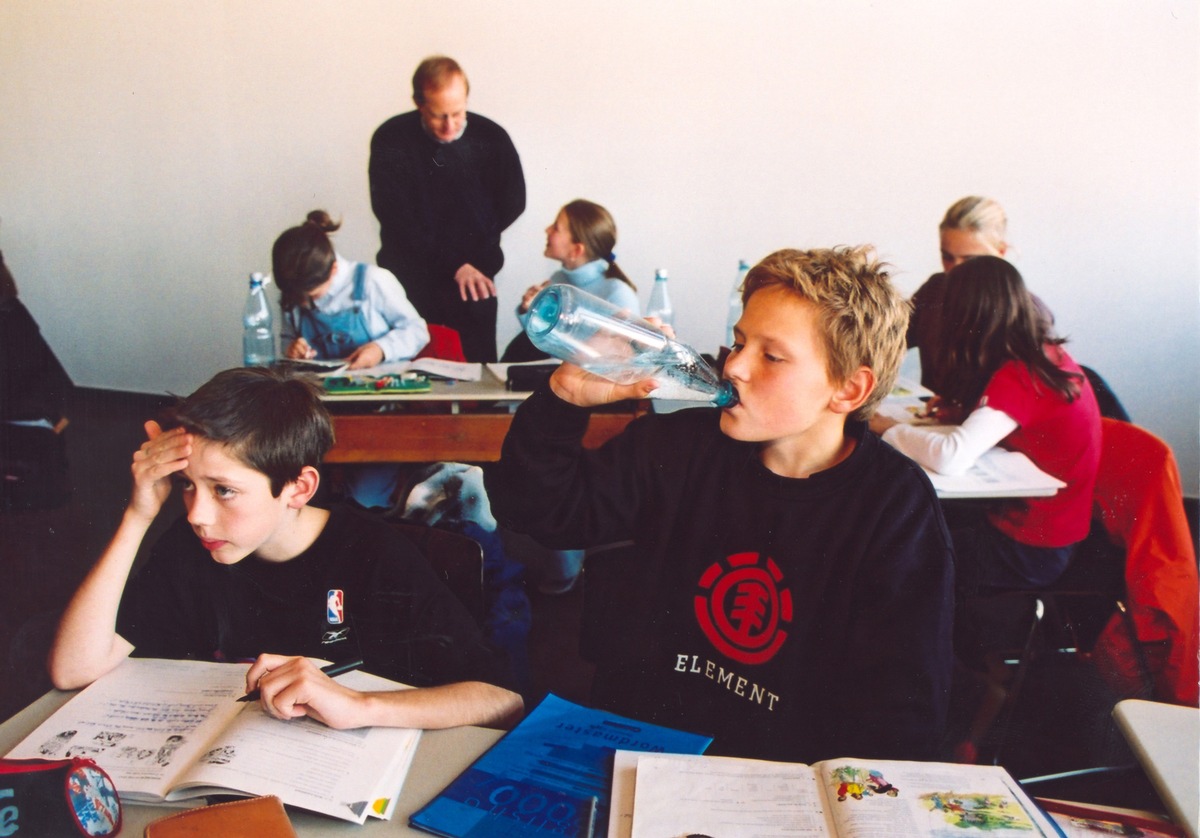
pixel 258 328
pixel 660 300
pixel 735 302
pixel 609 342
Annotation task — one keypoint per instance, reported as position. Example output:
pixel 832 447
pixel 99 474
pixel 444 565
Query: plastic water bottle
pixel 735 302
pixel 660 300
pixel 610 342
pixel 258 328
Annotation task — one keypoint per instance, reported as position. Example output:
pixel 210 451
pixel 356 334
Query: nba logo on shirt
pixel 334 611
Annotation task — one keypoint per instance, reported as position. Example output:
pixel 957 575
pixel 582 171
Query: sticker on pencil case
pixel 57 797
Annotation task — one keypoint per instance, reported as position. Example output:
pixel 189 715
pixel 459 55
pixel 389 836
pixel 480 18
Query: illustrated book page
pixel 850 798
pixel 168 730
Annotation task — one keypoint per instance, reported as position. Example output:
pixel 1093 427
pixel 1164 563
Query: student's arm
pixel 87 644
pixel 547 485
pixel 407 332
pixel 957 451
pixel 292 687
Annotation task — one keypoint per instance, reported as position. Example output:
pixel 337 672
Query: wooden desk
pixel 463 437
pixel 463 421
pixel 441 756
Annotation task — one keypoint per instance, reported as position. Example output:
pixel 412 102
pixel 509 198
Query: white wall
pixel 151 150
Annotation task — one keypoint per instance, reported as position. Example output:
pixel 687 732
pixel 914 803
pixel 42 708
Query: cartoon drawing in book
pixel 879 785
pixel 852 781
pixel 978 811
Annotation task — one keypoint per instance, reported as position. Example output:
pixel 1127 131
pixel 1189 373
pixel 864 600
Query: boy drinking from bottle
pixel 791 593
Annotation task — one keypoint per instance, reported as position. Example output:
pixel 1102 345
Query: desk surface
pixel 487 388
pixel 438 425
pixel 997 474
pixel 1166 740
pixel 440 757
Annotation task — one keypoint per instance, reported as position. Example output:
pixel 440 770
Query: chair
pixel 455 558
pixel 1129 603
pixel 445 344
pixel 1139 501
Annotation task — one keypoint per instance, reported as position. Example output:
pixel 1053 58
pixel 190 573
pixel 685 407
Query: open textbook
pixel 168 730
pixel 850 798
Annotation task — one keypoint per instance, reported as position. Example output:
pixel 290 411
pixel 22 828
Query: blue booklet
pixel 550 775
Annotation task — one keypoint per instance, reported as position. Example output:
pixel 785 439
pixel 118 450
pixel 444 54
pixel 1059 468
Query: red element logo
pixel 742 608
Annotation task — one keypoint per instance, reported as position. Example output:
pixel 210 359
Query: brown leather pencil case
pixel 255 817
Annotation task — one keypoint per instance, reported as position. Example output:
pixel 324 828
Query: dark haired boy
pixel 253 572
pixel 792 594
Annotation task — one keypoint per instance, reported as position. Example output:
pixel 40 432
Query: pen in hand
pixel 332 670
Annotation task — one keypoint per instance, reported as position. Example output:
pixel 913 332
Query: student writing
pixel 1003 379
pixel 335 308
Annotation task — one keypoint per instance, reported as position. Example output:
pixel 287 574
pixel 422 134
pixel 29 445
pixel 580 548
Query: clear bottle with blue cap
pixel 735 302
pixel 660 299
pixel 258 326
pixel 614 344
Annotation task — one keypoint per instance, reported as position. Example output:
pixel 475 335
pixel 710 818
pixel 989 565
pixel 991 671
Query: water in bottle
pixel 660 300
pixel 609 342
pixel 258 331
pixel 735 302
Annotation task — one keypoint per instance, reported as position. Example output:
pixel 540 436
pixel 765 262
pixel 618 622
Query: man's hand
pixel 291 687
pixel 367 355
pixel 161 455
pixel 579 387
pixel 473 285
pixel 299 350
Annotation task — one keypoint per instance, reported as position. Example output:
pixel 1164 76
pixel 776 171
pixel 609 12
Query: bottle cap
pixel 727 395
pixel 544 311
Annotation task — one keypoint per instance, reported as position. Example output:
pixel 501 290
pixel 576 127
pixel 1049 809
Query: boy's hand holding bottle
pixel 581 388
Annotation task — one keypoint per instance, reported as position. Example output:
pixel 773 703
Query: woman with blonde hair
pixel 973 226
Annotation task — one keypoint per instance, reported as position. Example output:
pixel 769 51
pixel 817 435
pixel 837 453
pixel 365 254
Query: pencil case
pixel 57 797
pixel 255 817
pixel 379 384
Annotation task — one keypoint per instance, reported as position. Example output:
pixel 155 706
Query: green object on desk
pixel 358 385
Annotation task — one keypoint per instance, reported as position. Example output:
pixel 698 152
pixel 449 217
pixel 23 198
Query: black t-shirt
pixel 793 619
pixel 361 589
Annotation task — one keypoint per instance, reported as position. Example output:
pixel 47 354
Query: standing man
pixel 445 184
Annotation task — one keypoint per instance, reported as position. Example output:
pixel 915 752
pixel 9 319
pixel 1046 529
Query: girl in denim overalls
pixel 337 309
pixel 334 308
